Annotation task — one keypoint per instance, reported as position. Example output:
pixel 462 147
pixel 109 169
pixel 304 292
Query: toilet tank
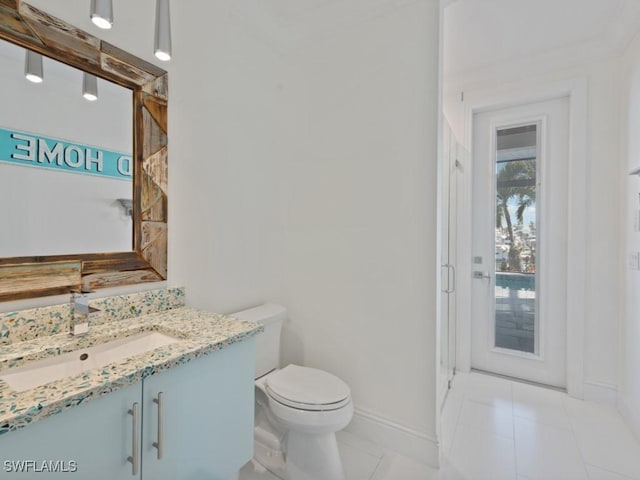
pixel 268 342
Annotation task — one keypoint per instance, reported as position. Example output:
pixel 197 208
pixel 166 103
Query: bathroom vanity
pixel 178 411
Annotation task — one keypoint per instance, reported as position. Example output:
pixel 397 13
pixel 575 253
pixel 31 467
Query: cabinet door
pixel 207 416
pixel 89 441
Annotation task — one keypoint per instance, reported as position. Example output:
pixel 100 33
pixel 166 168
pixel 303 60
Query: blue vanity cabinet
pixel 206 415
pixel 88 441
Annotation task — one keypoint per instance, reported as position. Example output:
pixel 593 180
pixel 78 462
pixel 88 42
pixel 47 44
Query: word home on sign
pixel 39 151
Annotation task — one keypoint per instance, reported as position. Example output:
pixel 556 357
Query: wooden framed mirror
pixel 37 275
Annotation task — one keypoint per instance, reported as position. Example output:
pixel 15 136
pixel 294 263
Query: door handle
pixel 453 276
pixel 451 269
pixel 135 454
pixel 159 443
pixel 442 267
pixel 481 275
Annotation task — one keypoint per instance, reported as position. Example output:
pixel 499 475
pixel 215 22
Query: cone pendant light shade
pixel 33 67
pixel 89 87
pixel 162 43
pixel 102 13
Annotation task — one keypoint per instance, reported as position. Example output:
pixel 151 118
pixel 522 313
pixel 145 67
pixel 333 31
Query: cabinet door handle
pixel 135 455
pixel 159 444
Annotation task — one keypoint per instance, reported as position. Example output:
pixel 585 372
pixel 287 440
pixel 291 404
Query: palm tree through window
pixel 515 237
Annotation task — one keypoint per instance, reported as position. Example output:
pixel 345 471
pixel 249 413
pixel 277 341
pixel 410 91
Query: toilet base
pixel 269 459
pixel 313 457
pixel 308 457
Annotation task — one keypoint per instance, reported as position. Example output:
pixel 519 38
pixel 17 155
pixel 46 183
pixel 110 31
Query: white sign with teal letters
pixel 20 148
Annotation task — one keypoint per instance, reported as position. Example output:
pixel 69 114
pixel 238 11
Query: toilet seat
pixel 307 388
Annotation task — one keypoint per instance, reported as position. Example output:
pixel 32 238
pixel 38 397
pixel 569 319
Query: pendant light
pixel 162 45
pixel 33 67
pixel 102 13
pixel 89 87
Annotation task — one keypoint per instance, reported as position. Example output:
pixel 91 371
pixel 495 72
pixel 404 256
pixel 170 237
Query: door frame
pixel 477 102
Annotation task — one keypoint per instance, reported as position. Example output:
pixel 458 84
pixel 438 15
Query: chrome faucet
pixel 80 313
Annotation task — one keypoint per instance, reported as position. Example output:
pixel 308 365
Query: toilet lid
pixel 307 388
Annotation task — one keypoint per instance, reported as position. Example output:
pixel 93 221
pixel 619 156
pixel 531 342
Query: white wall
pixel 602 299
pixel 229 103
pixel 629 377
pixel 360 215
pixel 303 171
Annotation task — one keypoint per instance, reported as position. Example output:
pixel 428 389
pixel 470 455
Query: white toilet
pixel 297 409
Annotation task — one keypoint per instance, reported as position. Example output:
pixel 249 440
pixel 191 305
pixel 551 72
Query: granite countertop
pixel 199 333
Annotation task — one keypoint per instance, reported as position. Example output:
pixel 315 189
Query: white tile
pixel 397 467
pixel 546 415
pixel 490 390
pixel 254 471
pixel 366 446
pixel 537 395
pixel 449 418
pixel 460 382
pixel 452 403
pixel 448 471
pixel 582 411
pixel 357 464
pixel 481 455
pixel 496 420
pixel 544 452
pixel 540 404
pixel 604 439
pixel 597 473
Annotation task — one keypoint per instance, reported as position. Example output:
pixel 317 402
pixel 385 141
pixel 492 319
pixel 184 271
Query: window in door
pixel 516 250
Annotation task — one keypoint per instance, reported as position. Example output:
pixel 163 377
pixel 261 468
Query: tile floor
pixel 495 429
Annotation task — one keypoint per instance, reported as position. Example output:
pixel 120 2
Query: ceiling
pixel 480 34
pixel 289 11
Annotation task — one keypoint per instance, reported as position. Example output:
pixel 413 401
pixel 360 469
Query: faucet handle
pixel 77 295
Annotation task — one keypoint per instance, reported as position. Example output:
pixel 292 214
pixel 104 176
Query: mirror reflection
pixel 65 161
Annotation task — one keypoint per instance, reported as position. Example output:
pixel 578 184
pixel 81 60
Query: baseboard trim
pixel 630 416
pixel 598 392
pixel 395 437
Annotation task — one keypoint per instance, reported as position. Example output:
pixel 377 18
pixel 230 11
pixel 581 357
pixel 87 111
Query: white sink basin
pixel 41 372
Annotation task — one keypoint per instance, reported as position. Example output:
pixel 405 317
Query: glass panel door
pixel 519 241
